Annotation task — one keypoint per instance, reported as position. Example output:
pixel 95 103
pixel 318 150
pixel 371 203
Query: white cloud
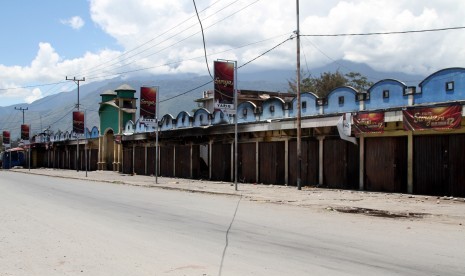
pixel 164 36
pixel 35 95
pixel 74 22
pixel 172 28
pixel 47 67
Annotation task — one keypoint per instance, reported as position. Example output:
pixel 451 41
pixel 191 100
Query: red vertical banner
pixel 25 132
pixel 6 138
pixel 372 122
pixel 423 118
pixel 224 86
pixel 148 102
pixel 78 122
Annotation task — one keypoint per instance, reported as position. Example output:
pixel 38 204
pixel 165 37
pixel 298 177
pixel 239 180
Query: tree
pixel 357 81
pixel 328 81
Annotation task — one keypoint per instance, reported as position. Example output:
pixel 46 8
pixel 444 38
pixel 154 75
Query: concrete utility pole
pixel 29 149
pixel 299 129
pixel 77 81
pixel 22 109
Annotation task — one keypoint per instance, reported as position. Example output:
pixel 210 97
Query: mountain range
pixel 177 93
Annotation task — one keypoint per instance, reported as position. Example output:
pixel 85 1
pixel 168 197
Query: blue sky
pixel 27 23
pixel 45 41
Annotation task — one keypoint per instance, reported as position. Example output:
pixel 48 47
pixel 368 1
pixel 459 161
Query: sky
pixel 43 42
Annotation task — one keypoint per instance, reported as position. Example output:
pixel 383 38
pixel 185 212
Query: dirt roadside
pixel 387 205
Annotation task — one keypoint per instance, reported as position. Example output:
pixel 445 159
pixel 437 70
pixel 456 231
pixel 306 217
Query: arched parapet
pixel 307 103
pixel 272 108
pixel 87 133
pixel 246 112
pixel 94 132
pixel 64 136
pixel 442 86
pixel 129 128
pixel 385 94
pixel 183 120
pixel 140 126
pixel 201 117
pixel 167 122
pixel 219 117
pixel 341 99
pixel 55 137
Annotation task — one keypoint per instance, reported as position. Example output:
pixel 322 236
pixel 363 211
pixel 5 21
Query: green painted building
pixel 117 108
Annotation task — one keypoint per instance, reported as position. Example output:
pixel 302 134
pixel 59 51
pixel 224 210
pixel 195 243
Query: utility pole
pixel 22 109
pixel 77 81
pixel 29 149
pixel 299 112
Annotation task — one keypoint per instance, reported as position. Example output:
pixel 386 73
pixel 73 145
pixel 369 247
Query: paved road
pixel 54 226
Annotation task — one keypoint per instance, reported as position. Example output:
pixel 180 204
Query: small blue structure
pixel 13 157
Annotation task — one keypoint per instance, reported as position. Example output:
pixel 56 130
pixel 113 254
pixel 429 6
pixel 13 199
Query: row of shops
pixel 411 146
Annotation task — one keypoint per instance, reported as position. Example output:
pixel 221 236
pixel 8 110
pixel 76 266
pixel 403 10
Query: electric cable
pixel 203 39
pixel 386 33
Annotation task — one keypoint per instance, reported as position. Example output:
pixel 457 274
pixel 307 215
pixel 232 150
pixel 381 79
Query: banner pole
pixel 29 150
pixel 235 126
pixel 85 137
pixel 156 133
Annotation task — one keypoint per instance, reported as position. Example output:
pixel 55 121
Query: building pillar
pixel 410 162
pixel 257 161
pixel 174 160
pixel 361 186
pixel 133 158
pixel 101 153
pixel 191 153
pixel 286 162
pixel 232 162
pixel 145 153
pixel 320 159
pixel 210 147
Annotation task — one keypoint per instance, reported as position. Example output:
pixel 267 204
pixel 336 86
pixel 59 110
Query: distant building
pixel 255 96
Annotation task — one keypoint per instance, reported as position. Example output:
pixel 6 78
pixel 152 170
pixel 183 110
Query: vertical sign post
pixel 25 136
pixel 85 137
pixel 157 97
pixel 6 143
pixel 225 97
pixel 78 129
pixel 149 100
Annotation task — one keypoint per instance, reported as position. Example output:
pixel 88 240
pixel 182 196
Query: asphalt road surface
pixel 56 226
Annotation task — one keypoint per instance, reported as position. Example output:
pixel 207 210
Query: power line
pixel 147 42
pixel 264 53
pixel 203 39
pixel 180 61
pixel 192 35
pixel 161 42
pixel 386 33
pixel 32 86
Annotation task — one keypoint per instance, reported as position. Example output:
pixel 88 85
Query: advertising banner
pixel 437 118
pixel 78 122
pixel 372 122
pixel 6 138
pixel 148 102
pixel 25 132
pixel 224 86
